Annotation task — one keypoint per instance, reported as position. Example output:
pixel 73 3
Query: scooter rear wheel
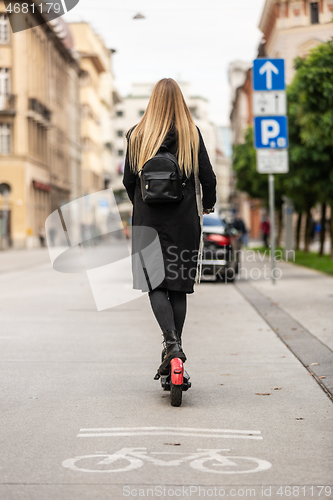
pixel 176 393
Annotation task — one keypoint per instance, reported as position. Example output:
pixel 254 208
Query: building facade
pixel 292 28
pixel 39 127
pixel 98 97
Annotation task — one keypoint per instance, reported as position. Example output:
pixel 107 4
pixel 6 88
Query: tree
pixel 302 182
pixel 312 92
pixel 244 164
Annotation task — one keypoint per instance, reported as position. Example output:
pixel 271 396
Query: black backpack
pixel 161 178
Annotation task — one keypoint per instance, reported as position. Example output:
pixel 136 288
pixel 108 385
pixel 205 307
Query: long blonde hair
pixel 166 109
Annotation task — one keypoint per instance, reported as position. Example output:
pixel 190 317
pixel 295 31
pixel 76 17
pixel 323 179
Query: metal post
pixel 4 235
pixel 288 211
pixel 272 221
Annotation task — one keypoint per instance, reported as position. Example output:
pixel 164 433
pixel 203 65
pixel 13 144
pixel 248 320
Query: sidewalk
pixel 18 260
pixel 305 295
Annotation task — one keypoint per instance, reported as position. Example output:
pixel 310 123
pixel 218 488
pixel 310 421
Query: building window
pixel 120 133
pixel 37 137
pixel 314 6
pixel 86 111
pixel 4 29
pixel 5 138
pixel 85 79
pixel 141 112
pixel 120 152
pixel 4 87
pixel 120 113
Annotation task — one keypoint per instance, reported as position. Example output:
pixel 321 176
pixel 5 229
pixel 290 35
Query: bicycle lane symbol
pixel 214 461
pixel 210 461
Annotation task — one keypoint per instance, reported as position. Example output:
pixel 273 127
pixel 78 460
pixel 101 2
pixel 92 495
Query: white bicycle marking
pixel 167 431
pixel 137 456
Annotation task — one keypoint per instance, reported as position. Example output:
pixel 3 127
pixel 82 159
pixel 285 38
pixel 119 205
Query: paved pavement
pixel 82 417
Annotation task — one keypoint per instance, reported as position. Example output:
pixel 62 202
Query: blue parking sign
pixel 268 74
pixel 271 132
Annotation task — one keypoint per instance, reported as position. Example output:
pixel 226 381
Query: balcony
pixel 39 112
pixel 7 104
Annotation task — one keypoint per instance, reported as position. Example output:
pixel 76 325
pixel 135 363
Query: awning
pixel 40 185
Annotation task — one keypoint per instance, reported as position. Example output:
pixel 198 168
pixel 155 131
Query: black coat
pixel 178 223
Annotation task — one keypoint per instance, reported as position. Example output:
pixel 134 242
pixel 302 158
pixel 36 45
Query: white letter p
pixel 266 133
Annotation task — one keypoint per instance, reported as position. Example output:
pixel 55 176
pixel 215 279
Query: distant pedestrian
pixel 265 231
pixel 312 230
pixel 52 234
pixel 167 127
pixel 239 225
pixel 42 235
pixel 317 231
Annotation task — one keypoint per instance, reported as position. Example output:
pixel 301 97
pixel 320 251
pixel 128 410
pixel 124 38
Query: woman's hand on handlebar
pixel 208 210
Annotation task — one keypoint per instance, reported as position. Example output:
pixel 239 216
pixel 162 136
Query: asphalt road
pixel 82 417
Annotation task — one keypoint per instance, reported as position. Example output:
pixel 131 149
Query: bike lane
pixel 82 385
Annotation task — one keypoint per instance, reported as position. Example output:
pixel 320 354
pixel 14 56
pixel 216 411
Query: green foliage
pixel 314 80
pixel 310 111
pixel 302 183
pixel 312 260
pixel 321 263
pixel 248 179
pixel 244 164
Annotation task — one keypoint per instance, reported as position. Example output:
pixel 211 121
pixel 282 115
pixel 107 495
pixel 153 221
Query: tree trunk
pixel 307 230
pixel 322 229
pixel 280 224
pixel 332 231
pixel 298 230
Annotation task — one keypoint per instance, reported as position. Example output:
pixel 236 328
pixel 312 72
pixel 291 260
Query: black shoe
pixel 164 348
pixel 166 370
pixel 173 350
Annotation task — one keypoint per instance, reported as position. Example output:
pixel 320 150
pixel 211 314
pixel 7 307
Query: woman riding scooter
pixel 167 126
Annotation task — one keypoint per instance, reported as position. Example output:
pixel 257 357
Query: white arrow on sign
pixel 268 68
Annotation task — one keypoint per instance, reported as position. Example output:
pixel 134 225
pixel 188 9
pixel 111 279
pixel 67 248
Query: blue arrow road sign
pixel 271 132
pixel 268 74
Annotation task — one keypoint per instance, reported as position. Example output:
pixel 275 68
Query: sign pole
pixel 270 129
pixel 272 225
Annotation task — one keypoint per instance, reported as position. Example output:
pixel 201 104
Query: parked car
pixel 220 256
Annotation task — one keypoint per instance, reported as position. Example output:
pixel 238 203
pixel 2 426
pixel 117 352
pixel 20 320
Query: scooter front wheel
pixel 176 394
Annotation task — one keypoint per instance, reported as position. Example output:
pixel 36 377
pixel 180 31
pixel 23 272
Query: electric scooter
pixel 176 381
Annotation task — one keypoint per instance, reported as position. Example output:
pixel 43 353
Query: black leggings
pixel 169 308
